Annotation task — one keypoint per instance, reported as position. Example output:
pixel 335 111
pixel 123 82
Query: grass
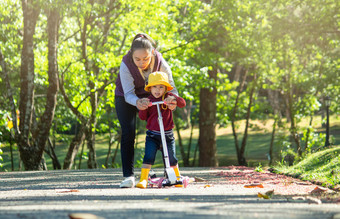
pixel 322 167
pixel 256 150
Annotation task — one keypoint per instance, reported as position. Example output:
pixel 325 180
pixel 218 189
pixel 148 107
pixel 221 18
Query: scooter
pixel 170 178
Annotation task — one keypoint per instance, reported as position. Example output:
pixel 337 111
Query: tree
pixel 31 138
pixel 94 25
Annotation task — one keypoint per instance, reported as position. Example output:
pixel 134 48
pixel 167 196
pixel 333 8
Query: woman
pixel 130 96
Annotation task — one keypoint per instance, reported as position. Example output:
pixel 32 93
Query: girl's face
pixel 158 90
pixel 142 58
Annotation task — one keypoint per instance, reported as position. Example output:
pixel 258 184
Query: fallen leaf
pixel 199 179
pixel 318 190
pixel 67 190
pixel 270 193
pixel 337 188
pixel 255 185
pixel 260 195
pixel 266 195
pixel 206 186
pixel 302 183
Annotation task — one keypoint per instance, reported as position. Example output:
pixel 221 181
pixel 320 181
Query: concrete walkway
pixel 57 194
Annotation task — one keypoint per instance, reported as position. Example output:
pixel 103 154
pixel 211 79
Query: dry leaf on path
pixel 337 188
pixel 303 183
pixel 318 190
pixel 66 190
pixel 199 179
pixel 266 195
pixel 255 185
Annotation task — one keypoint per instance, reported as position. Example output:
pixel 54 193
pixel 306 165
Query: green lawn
pixel 322 167
pixel 256 150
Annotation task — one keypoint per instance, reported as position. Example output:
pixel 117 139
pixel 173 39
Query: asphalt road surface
pixel 217 193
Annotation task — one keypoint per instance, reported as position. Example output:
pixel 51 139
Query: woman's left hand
pixel 171 102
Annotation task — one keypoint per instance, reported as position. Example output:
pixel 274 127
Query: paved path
pixel 57 194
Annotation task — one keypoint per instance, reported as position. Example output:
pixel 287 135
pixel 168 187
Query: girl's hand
pixel 142 104
pixel 171 102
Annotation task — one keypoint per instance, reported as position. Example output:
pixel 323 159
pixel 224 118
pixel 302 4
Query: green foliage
pixel 10 45
pixel 3 128
pixel 288 154
pixel 83 156
pixel 322 166
pixel 315 140
pixel 1 159
pixel 139 157
pixel 1 152
pixel 292 46
pixel 259 168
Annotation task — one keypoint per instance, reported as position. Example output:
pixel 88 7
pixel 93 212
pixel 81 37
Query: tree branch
pixel 180 45
pixel 67 99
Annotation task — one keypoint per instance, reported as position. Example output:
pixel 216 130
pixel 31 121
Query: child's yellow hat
pixel 157 78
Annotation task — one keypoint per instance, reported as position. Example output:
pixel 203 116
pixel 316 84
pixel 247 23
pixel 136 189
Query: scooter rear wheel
pixel 160 182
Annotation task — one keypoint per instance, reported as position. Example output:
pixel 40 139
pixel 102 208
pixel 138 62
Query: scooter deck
pixel 161 182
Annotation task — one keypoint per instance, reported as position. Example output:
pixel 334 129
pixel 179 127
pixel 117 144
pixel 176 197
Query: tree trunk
pixel 81 155
pixel 11 152
pixel 74 147
pixel 272 143
pixel 108 153
pixel 308 132
pixel 273 96
pixel 207 125
pixel 190 141
pixel 180 144
pixel 242 159
pixel 195 155
pixel 293 129
pixel 91 138
pixel 116 151
pixel 91 132
pixel 29 155
pixel 51 152
pixel 46 120
pixel 32 147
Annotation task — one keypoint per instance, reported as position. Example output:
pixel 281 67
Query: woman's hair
pixel 142 41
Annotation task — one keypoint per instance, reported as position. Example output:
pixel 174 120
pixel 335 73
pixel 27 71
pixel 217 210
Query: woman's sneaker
pixel 128 182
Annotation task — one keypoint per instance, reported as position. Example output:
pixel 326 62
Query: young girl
pixel 159 87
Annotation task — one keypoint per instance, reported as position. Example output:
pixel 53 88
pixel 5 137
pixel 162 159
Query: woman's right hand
pixel 143 103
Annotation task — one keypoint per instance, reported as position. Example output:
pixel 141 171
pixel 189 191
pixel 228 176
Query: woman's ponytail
pixel 142 41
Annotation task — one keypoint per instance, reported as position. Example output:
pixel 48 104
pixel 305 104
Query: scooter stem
pixel 170 172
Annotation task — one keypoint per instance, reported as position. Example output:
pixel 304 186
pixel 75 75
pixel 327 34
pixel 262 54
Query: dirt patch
pixel 284 185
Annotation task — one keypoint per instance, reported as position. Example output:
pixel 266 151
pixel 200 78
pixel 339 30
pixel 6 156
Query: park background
pixel 260 79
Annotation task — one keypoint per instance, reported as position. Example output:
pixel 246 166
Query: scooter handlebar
pixel 156 103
